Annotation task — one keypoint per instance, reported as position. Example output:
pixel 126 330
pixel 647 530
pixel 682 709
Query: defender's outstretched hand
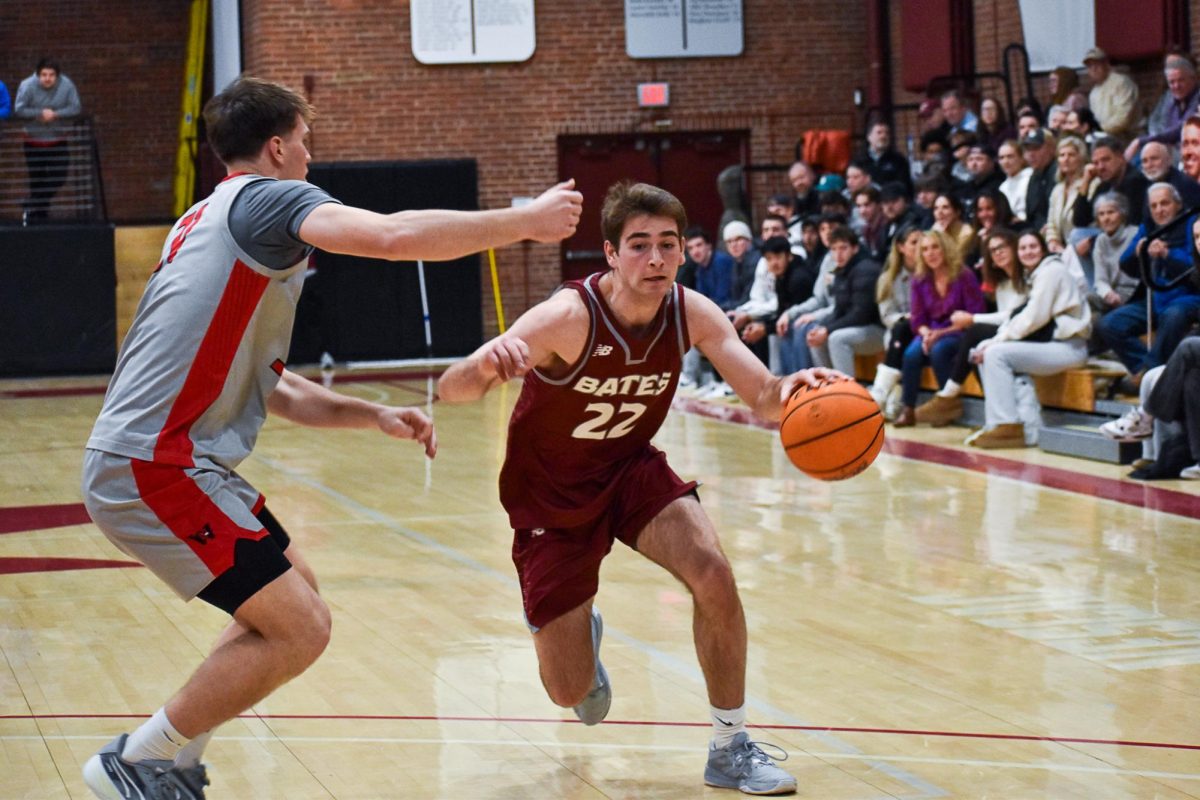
pixel 554 215
pixel 810 377
pixel 403 422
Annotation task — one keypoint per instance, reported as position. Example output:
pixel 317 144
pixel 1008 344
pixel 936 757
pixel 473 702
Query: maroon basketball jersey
pixel 570 438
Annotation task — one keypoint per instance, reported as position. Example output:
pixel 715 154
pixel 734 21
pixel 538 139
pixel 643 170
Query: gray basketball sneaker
pixel 594 707
pixel 111 777
pixel 743 765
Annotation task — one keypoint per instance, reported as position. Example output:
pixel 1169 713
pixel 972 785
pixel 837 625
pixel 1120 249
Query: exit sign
pixel 654 95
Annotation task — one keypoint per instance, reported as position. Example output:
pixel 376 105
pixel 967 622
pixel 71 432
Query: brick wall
pixel 126 58
pixel 376 101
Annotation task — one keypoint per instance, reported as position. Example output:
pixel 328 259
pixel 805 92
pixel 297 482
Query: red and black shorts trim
pixel 256 562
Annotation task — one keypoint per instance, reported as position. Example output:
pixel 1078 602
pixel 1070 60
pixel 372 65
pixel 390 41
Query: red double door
pixel 684 163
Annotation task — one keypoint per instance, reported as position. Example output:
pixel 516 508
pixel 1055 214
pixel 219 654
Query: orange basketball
pixel 833 431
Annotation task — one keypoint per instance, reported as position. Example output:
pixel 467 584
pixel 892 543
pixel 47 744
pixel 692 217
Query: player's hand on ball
pixel 808 377
pixel 402 422
pixel 554 215
pixel 506 357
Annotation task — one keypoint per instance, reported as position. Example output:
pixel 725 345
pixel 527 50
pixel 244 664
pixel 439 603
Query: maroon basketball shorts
pixel 559 568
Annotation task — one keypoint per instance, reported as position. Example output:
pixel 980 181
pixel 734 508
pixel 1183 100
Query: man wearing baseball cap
pixel 1114 96
pixel 1039 147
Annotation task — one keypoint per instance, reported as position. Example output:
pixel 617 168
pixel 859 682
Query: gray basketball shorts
pixel 204 533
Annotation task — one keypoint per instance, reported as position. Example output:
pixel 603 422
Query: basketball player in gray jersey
pixel 202 365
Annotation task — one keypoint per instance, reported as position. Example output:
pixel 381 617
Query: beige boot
pixel 940 411
pixel 1008 434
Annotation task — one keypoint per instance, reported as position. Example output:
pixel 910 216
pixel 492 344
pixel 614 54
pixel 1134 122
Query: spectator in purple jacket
pixel 940 287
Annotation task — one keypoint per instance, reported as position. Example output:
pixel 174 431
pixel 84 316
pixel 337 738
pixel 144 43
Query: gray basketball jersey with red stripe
pixel 206 348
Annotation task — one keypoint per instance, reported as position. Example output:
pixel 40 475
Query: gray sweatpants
pixel 1002 362
pixel 839 350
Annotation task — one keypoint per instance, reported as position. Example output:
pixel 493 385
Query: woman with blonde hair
pixel 893 293
pixel 1003 280
pixel 940 287
pixel 1072 158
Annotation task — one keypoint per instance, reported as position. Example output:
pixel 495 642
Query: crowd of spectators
pixel 1008 249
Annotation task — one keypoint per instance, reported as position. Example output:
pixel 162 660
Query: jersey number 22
pixel 598 427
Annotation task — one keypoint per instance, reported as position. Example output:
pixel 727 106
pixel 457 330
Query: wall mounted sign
pixel 683 28
pixel 472 31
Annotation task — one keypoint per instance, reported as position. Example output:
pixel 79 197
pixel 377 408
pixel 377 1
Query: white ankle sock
pixel 192 752
pixel 156 739
pixel 951 389
pixel 727 723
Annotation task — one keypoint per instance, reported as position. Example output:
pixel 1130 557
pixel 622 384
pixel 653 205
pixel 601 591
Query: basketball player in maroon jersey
pixel 601 361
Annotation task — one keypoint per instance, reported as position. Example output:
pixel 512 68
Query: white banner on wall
pixel 1058 33
pixel 683 28
pixel 472 31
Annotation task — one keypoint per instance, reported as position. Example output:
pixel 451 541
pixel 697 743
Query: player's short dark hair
pixel 843 233
pixel 777 244
pixel 248 113
pixel 628 199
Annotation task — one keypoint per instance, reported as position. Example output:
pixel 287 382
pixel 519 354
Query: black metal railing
pixel 48 183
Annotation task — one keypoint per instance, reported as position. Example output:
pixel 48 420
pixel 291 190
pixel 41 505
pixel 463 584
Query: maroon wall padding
pixel 937 40
pixel 1126 36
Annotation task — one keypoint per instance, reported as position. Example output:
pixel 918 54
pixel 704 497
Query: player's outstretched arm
pixel 552 331
pixel 713 333
pixel 441 235
pixel 306 403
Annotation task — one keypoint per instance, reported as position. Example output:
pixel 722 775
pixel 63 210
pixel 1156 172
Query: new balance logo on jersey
pixel 203 536
pixel 602 350
pixel 537 531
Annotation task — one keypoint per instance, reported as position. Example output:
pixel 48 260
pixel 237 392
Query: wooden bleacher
pixel 1072 390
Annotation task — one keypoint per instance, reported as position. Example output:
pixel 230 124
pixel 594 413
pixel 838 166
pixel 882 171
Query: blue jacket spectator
pixel 1173 310
pixel 713 270
pixel 5 102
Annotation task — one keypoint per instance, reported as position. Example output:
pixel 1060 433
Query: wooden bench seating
pixel 1072 390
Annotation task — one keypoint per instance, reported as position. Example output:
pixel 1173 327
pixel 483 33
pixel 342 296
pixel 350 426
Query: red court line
pixel 14 565
pixel 1141 495
pixel 652 724
pixel 33 518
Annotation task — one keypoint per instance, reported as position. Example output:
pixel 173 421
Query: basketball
pixel 832 431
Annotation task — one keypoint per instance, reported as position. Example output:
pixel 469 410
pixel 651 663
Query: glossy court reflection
pixel 939 626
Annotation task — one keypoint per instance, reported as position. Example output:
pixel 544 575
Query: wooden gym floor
pixel 947 624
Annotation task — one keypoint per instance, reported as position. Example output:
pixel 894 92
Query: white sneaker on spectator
pixel 1191 473
pixel 1134 426
pixel 893 404
pixel 718 391
pixel 687 385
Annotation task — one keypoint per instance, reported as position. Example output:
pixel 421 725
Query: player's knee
pixel 311 634
pixel 713 577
